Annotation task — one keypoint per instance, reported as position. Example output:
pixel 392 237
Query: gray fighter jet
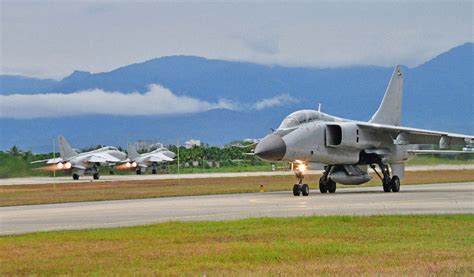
pixel 346 148
pixel 151 159
pixel 83 163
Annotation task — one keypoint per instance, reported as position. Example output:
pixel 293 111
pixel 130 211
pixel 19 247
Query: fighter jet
pixel 83 163
pixel 151 159
pixel 346 148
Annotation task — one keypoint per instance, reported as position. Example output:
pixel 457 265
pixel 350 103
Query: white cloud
pixel 156 101
pixel 276 101
pixel 53 38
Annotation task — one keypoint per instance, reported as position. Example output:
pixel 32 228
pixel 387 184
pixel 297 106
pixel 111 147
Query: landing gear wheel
pixel 387 187
pixel 385 177
pixel 296 190
pixel 96 176
pixel 395 184
pixel 331 185
pixel 75 176
pixel 111 172
pixel 154 171
pixel 139 172
pixel 305 190
pixel 323 188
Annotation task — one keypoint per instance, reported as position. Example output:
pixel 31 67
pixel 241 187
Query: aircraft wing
pixel 418 136
pixel 49 161
pixel 159 157
pixel 249 146
pixel 102 158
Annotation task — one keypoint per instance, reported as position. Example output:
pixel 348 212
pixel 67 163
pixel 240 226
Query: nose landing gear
pixel 300 188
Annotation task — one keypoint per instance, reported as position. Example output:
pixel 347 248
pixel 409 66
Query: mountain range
pixel 438 94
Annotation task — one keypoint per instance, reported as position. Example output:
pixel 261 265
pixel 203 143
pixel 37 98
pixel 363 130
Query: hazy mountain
pixel 438 94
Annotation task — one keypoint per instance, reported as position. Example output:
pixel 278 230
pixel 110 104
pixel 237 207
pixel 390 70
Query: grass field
pixel 92 191
pixel 342 245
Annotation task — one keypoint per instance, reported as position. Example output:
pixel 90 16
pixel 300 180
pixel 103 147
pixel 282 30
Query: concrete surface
pixel 111 178
pixel 418 199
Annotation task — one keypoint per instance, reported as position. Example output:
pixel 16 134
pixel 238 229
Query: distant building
pixel 191 143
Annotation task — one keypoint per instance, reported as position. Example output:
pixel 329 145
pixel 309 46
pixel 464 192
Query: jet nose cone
pixel 271 148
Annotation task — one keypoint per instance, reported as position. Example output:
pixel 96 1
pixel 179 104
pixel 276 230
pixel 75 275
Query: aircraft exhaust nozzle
pixel 271 148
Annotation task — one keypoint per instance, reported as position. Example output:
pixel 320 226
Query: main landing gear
pixel 326 184
pixel 300 188
pixel 389 183
pixel 112 170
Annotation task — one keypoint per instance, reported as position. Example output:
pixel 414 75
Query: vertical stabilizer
pixel 132 152
pixel 65 150
pixel 390 109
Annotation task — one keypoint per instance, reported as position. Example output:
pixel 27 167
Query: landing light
pixel 60 166
pixel 128 164
pixel 67 165
pixel 134 164
pixel 301 167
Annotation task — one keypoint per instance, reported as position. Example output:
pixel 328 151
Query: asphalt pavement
pixel 412 199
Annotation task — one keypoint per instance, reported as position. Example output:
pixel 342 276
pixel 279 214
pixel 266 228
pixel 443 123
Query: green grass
pixel 335 245
pixel 434 160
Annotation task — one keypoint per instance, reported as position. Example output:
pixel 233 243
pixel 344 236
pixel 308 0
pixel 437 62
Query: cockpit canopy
pixel 299 117
pixel 110 148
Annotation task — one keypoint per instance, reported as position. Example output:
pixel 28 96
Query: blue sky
pixel 53 38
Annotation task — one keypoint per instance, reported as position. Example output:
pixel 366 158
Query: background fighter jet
pixel 83 163
pixel 151 159
pixel 346 148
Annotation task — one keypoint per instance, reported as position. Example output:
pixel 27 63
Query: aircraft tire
pixel 96 176
pixel 296 190
pixel 154 171
pixel 75 176
pixel 305 190
pixel 331 185
pixel 111 172
pixel 395 184
pixel 139 172
pixel 387 187
pixel 322 186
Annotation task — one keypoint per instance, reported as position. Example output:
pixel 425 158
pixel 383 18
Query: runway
pixel 122 178
pixel 412 199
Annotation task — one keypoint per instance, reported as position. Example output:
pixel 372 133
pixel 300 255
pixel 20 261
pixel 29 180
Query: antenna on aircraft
pixel 319 107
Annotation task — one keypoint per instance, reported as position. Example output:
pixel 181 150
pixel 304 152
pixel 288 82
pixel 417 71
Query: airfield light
pixel 301 167
pixel 67 165
pixel 60 166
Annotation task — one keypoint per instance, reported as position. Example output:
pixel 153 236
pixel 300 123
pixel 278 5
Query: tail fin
pixel 132 152
pixel 390 109
pixel 65 150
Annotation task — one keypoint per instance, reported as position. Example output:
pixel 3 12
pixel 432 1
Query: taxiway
pixel 133 177
pixel 412 199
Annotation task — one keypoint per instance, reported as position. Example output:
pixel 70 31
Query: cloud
pixel 156 101
pixel 276 101
pixel 54 39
